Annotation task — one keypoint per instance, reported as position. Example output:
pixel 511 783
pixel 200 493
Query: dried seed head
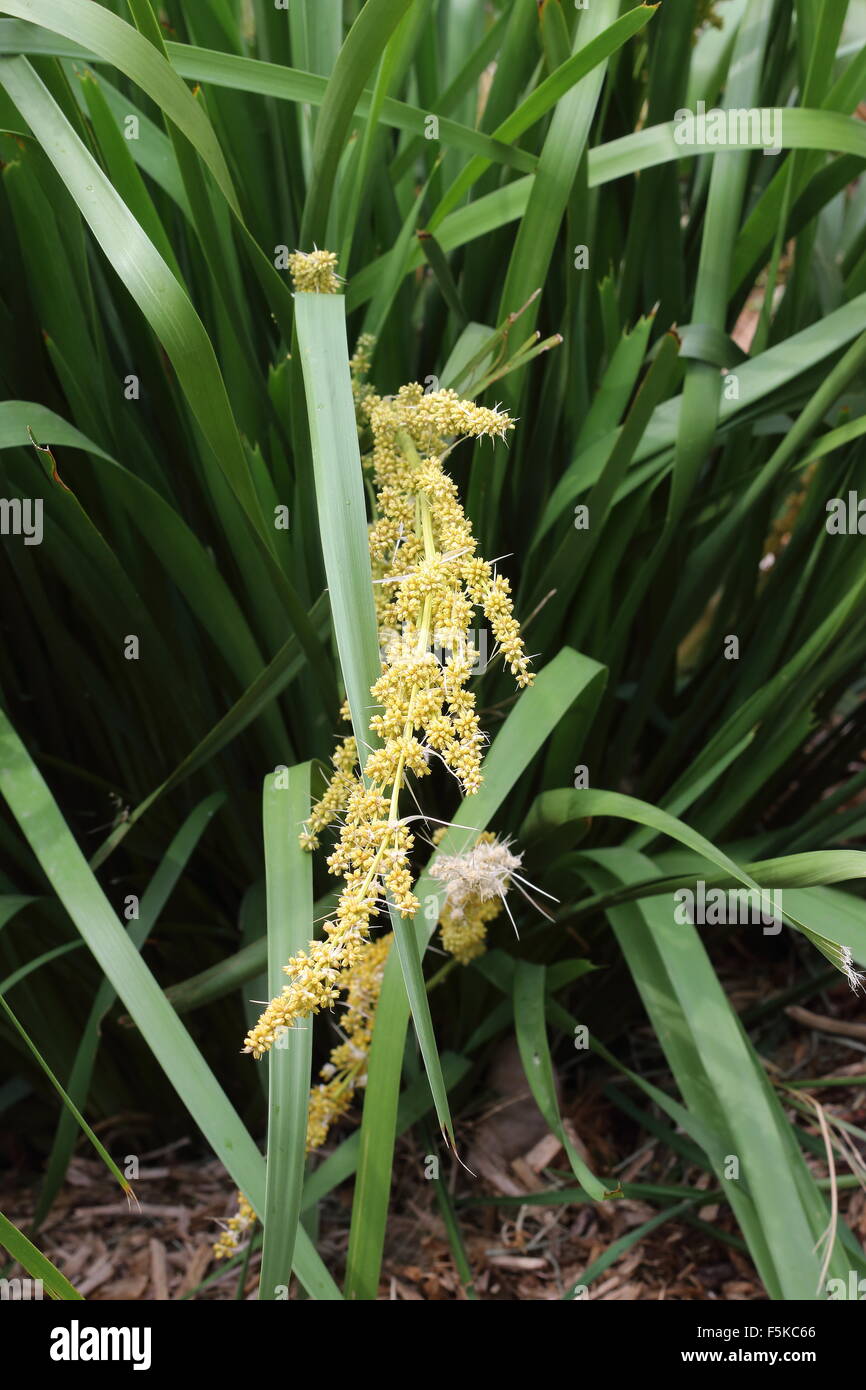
pixel 477 882
pixel 483 872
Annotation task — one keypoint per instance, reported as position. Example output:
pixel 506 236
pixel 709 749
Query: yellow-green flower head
pixel 314 272
pixel 429 582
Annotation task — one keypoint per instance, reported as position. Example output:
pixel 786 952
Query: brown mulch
pixel 111 1248
pixel 162 1249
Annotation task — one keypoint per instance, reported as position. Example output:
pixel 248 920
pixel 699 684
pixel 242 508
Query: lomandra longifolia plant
pixel 309 854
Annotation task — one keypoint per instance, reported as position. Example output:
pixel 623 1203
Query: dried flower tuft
pixel 476 884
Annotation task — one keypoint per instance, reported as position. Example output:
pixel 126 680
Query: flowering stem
pixel 441 974
pixel 348 1078
pixel 426 529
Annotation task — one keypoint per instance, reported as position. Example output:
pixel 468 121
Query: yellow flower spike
pixel 346 1070
pixel 337 794
pixel 429 581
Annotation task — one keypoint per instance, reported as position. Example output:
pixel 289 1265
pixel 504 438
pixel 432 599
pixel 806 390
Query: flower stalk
pixel 427 581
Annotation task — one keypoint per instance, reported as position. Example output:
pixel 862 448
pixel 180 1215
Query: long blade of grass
pixel 140 268
pixel 276 676
pixel 96 29
pixel 37 1264
pixel 69 1104
pixel 601 803
pixel 545 96
pixel 43 826
pixel 724 1080
pixel 165 306
pixel 356 61
pixel 289 885
pixel 531 1027
pixel 153 900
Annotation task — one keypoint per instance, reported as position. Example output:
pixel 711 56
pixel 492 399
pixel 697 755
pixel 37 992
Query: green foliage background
pixel 158 258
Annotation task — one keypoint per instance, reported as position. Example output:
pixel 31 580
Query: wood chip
pixel 542 1154
pixel 518 1263
pixel 99 1274
pixel 195 1270
pixel 526 1176
pixel 158 1271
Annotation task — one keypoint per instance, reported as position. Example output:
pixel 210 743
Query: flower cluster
pixel 314 272
pixel 359 367
pixel 428 577
pixel 476 884
pixel 346 1070
pixel 337 793
pixel 235 1229
pixel 428 581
